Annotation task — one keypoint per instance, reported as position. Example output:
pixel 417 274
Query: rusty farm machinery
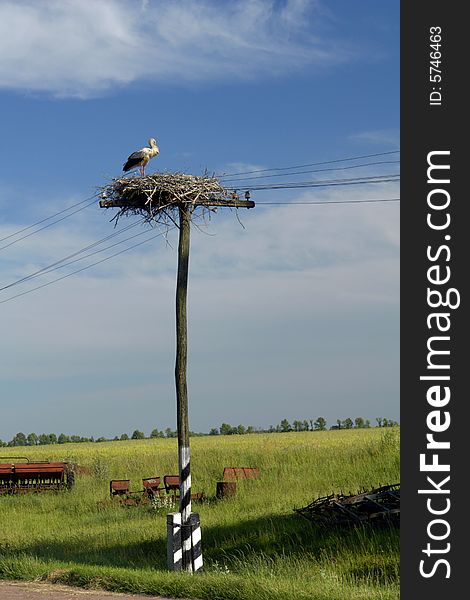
pixel 379 505
pixel 20 476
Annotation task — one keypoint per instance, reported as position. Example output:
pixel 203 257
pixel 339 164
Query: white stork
pixel 141 157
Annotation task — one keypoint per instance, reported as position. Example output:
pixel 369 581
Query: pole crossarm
pixel 209 204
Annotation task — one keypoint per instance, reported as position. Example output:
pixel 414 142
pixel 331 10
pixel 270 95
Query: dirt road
pixel 12 590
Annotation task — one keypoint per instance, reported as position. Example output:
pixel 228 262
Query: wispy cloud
pixel 84 49
pixel 389 137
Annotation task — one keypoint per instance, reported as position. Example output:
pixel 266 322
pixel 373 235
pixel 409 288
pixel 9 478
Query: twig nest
pixel 158 196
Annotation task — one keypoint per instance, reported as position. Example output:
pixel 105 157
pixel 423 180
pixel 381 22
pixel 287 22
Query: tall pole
pixel 184 531
pixel 181 386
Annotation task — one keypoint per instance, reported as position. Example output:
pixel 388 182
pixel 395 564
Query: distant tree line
pixel 43 439
pixel 320 424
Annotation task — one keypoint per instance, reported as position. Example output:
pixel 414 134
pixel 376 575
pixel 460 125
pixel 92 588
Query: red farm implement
pixel 25 477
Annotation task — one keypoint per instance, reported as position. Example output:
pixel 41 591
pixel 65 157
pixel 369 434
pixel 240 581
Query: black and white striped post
pixel 176 535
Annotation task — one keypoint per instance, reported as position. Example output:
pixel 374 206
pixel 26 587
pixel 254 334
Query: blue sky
pixel 293 315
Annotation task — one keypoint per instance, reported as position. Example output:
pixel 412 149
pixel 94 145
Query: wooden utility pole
pixel 189 530
pixel 184 548
pixel 182 337
pixel 181 386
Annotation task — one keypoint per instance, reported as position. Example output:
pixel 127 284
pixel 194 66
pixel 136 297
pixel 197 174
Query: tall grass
pixel 255 546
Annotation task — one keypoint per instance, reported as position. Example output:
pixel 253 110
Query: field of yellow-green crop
pixel 255 547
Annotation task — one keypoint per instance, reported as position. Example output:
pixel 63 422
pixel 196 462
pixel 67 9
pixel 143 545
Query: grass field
pixel 254 546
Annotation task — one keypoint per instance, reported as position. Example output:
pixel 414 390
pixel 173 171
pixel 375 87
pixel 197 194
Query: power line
pixel 45 226
pixel 71 258
pixel 71 262
pixel 61 262
pixel 382 162
pixel 83 268
pixel 290 185
pixel 319 183
pixel 225 176
pixel 335 201
pixel 314 164
pixel 47 218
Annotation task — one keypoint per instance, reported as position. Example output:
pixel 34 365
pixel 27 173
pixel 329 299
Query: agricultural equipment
pixel 120 488
pixel 25 477
pixel 375 506
pixel 228 487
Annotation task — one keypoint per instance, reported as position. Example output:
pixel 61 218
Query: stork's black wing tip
pixel 131 163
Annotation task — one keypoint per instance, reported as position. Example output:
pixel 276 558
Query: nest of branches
pixel 158 197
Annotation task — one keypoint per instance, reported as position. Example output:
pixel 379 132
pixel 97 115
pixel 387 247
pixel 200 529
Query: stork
pixel 140 158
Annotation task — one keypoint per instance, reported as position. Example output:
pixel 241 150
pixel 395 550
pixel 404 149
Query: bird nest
pixel 159 196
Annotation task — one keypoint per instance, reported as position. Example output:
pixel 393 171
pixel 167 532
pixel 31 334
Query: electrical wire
pixel 45 226
pixel 320 183
pixel 314 164
pixel 222 176
pixel 61 262
pixel 72 258
pixel 47 218
pixel 335 201
pixel 84 268
pixel 382 162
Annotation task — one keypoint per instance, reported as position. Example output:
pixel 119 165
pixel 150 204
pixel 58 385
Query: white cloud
pixel 83 49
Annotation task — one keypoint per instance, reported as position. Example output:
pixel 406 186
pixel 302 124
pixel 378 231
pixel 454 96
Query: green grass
pixel 254 546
